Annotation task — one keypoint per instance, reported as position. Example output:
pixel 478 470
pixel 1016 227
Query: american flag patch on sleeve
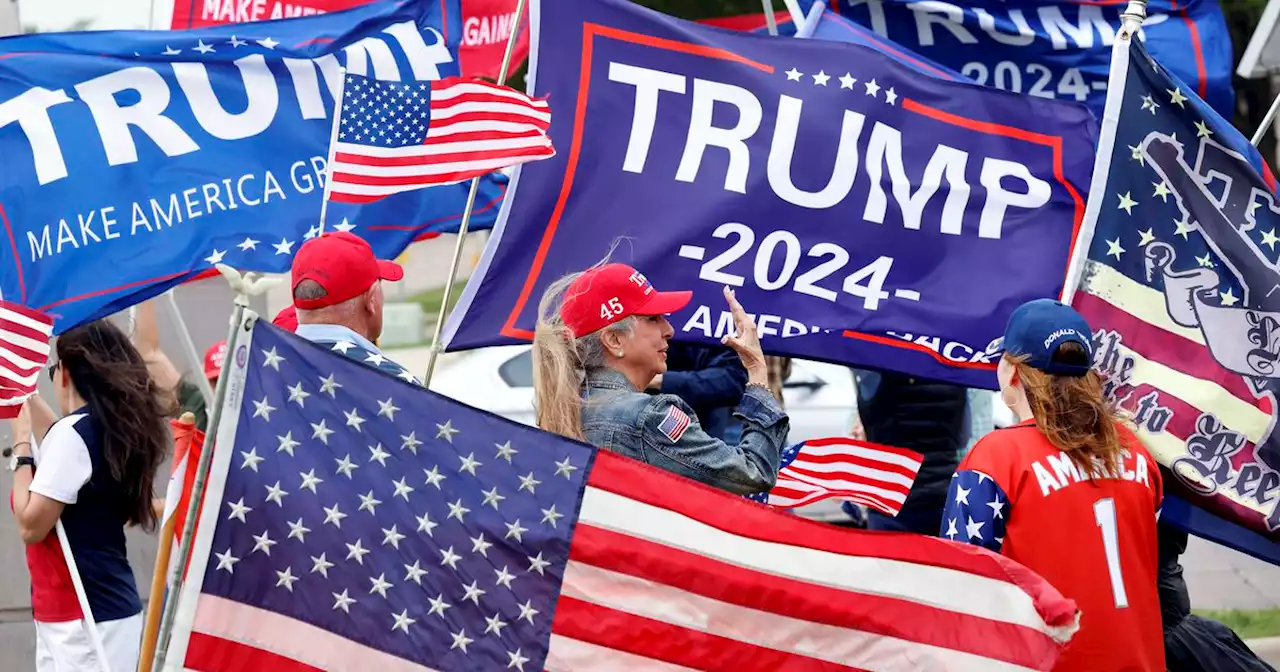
pixel 674 425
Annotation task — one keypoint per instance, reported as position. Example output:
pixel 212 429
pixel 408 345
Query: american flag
pixel 840 467
pixel 1178 289
pixel 375 525
pixel 401 136
pixel 24 351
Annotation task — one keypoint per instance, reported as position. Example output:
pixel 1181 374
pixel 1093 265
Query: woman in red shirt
pixel 1069 492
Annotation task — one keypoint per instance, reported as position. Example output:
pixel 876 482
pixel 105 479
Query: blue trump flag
pixel 869 214
pixel 1180 289
pixel 1055 49
pixel 836 28
pixel 135 160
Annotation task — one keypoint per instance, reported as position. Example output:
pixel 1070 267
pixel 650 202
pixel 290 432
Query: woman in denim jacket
pixel 601 338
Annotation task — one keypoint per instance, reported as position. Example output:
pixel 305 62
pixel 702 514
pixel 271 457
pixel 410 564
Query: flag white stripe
pixel 863 453
pixel 855 648
pixel 867 473
pixel 438 148
pixel 480 127
pixel 569 655
pixel 20 341
pixel 340 167
pixel 464 88
pixel 19 318
pixel 371 190
pixel 1138 300
pixel 939 587
pixel 438 115
pixel 291 638
pixel 851 486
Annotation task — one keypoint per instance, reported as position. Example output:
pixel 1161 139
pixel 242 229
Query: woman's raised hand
pixel 746 341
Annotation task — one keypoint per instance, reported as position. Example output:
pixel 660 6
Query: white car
pixel 820 398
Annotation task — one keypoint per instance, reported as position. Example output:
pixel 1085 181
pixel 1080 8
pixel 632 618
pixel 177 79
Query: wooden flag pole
pixel 436 346
pixel 160 574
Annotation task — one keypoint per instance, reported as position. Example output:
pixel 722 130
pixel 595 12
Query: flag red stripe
pixel 877 614
pixel 829 479
pixel 27 312
pixel 784 488
pixel 671 643
pixel 1162 346
pixel 643 483
pixel 440 159
pixel 20 352
pixel 438 104
pixel 215 654
pixel 845 441
pixel 440 127
pixel 855 460
pixel 341 178
pixel 14 372
pixel 18 329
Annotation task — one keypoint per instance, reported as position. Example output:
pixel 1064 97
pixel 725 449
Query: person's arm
pixel 39 496
pixel 147 340
pixel 976 511
pixel 672 434
pixel 719 380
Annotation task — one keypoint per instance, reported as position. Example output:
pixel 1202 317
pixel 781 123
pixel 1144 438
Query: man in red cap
pixel 337 291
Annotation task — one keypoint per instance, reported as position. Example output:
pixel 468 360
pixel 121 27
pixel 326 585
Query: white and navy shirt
pixel 72 469
pixel 354 346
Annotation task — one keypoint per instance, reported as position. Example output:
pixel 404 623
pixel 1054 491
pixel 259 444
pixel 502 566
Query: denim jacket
pixel 662 430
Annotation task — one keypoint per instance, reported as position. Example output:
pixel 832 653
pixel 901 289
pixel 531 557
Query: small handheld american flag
pixel 867 473
pixel 24 350
pixel 401 136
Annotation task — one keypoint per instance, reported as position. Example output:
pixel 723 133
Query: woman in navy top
pixel 96 468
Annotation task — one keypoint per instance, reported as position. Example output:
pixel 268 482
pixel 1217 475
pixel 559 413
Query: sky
pixel 52 15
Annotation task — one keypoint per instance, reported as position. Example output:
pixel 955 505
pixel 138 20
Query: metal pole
pixel 189 346
pixel 333 146
pixel 769 19
pixel 1266 122
pixel 1134 14
pixel 201 481
pixel 809 24
pixel 466 213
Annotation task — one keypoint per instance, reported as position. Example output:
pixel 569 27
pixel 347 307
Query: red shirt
pixel 1092 539
pixel 53 596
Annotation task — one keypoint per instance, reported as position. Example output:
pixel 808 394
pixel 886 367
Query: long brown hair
pixel 128 407
pixel 1073 412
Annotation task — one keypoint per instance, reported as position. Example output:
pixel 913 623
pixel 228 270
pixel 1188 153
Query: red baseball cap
pixel 214 358
pixel 610 293
pixel 287 319
pixel 343 264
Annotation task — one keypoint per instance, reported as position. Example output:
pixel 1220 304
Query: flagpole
pixel 244 286
pixel 1134 14
pixel 769 19
pixel 466 213
pixel 1259 134
pixel 160 573
pixel 333 145
pixel 90 625
pixel 184 335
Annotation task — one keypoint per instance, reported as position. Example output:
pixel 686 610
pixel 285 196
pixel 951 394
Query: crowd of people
pixel 1069 491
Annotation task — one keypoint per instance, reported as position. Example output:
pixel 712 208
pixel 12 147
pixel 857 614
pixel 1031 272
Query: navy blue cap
pixel 1038 328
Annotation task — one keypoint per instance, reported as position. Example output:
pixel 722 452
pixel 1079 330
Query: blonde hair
pixel 562 362
pixel 1074 414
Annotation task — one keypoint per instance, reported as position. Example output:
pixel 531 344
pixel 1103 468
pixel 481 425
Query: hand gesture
pixel 746 342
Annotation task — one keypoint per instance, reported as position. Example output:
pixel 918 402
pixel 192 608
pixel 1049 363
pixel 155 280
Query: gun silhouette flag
pixel 1181 289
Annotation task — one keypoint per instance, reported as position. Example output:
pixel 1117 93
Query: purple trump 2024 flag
pixel 867 213
pixel 1180 290
pixel 136 160
pixel 356 522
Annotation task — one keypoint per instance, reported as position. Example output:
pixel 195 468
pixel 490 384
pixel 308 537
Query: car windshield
pixel 518 371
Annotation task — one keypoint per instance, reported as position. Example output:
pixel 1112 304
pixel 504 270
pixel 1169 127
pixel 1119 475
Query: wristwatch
pixel 19 461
